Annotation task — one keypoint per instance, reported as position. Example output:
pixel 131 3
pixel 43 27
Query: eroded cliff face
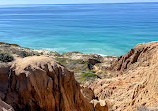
pixel 141 55
pixel 136 87
pixel 4 74
pixel 39 83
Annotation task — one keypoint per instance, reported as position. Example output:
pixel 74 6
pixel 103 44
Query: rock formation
pixel 79 55
pixel 40 83
pixel 24 52
pixel 137 86
pixel 141 55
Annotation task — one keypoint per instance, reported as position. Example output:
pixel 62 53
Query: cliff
pixel 136 87
pixel 41 83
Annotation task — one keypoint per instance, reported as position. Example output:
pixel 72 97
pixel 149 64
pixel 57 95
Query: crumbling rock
pixel 40 83
pixel 138 84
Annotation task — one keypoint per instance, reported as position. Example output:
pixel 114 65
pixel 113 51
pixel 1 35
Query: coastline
pixel 119 83
pixel 79 63
pixel 97 33
pixel 48 50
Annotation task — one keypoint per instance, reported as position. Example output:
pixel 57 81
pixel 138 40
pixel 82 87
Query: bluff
pixel 135 86
pixel 39 83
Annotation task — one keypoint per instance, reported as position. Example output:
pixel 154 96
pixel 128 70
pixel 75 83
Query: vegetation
pixel 64 61
pixel 88 76
pixel 10 44
pixel 6 57
pixel 37 54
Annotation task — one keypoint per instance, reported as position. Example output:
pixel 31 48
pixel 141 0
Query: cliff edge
pixel 41 83
pixel 136 87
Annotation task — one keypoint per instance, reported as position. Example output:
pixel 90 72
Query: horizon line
pixel 79 3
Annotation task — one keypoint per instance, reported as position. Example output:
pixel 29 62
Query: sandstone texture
pixel 39 83
pixel 127 83
pixel 136 87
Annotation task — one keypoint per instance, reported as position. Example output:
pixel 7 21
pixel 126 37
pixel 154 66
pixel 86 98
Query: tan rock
pixel 40 83
pixel 138 84
pixel 87 93
pixel 100 105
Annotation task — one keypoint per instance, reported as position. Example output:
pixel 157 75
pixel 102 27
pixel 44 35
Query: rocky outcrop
pixel 24 52
pixel 103 69
pixel 136 88
pixel 40 83
pixel 138 56
pixel 79 55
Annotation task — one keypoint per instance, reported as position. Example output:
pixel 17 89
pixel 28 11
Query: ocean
pixel 107 29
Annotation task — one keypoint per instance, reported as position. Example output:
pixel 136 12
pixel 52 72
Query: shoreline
pixel 43 50
pixel 132 72
pixel 77 62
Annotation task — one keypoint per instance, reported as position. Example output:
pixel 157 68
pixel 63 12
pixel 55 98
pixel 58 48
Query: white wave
pixel 55 49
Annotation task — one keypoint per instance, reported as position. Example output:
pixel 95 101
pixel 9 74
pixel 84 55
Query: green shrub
pixel 37 54
pixel 89 75
pixel 6 57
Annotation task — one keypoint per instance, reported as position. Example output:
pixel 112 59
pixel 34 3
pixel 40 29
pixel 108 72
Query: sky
pixel 69 1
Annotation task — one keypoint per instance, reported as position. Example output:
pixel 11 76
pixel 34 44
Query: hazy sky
pixel 69 1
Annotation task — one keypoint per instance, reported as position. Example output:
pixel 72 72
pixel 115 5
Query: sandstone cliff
pixel 40 83
pixel 136 87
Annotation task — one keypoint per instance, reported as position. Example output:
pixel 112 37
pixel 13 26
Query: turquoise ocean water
pixel 108 29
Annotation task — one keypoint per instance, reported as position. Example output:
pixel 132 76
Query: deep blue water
pixel 109 29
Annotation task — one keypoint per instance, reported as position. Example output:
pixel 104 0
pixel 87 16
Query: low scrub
pixel 89 75
pixel 6 57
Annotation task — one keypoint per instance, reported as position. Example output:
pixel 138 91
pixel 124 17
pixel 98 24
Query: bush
pixel 89 75
pixel 6 57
